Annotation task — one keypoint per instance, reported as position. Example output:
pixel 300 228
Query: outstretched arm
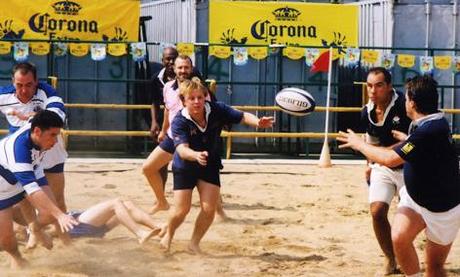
pixel 381 155
pixel 254 121
pixel 186 153
pixel 43 203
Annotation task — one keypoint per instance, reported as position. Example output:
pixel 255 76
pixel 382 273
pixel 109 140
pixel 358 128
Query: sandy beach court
pixel 286 220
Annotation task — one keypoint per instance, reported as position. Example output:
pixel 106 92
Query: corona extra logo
pixel 44 23
pixel 66 7
pixel 286 14
pixel 264 30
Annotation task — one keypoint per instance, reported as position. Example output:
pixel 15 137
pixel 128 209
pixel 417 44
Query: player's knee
pixel 128 204
pixel 117 202
pixel 146 168
pixel 399 239
pixel 208 209
pixel 181 212
pixel 379 212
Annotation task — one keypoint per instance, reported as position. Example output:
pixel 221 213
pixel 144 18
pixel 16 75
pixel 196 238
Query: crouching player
pixel 22 177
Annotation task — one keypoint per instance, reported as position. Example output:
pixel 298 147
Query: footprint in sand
pixel 109 186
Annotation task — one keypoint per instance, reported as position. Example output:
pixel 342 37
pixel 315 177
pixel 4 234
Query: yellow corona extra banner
pixel 370 56
pixel 443 62
pixel 108 20
pixel 185 48
pixel 405 60
pixel 288 23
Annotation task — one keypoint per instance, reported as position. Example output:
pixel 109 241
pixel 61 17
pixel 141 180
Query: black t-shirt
pixel 431 170
pixel 395 118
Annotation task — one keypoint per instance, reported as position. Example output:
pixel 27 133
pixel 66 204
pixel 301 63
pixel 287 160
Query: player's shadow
pixel 257 206
pixel 259 221
pixel 454 270
pixel 274 257
pixel 264 173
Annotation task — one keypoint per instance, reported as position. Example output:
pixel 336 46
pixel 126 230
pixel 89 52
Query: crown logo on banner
pixel 286 14
pixel 66 7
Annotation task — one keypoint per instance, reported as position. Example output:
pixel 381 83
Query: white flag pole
pixel 325 157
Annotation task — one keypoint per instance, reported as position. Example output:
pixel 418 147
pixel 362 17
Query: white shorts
pixel 385 183
pixel 9 188
pixel 441 228
pixel 55 156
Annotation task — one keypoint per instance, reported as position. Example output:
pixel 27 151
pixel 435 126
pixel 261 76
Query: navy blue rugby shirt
pixel 395 118
pixel 185 130
pixel 431 170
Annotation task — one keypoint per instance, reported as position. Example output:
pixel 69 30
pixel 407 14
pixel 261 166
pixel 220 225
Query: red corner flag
pixel 321 64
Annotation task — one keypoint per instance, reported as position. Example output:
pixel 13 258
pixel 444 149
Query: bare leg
pixel 209 195
pixel 151 169
pixel 36 235
pixel 435 257
pixel 47 219
pixel 140 216
pixel 220 212
pixel 100 214
pixel 406 226
pixel 382 230
pixel 164 175
pixel 182 204
pixel 8 241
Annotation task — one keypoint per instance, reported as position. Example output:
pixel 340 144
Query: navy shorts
pixel 59 168
pixel 87 230
pixel 187 179
pixel 168 145
pixel 9 202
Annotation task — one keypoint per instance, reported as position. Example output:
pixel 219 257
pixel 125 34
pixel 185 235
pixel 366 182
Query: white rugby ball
pixel 295 101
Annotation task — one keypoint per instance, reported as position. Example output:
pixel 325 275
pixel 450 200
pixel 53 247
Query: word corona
pixel 265 30
pixel 43 23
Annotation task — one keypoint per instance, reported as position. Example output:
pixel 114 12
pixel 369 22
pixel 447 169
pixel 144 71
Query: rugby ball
pixel 295 101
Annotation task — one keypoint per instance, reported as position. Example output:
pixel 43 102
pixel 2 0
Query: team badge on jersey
pixel 396 120
pixel 407 148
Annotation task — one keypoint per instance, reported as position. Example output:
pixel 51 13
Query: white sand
pixel 288 220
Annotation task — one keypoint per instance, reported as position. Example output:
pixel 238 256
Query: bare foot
pixel 159 207
pixel 165 243
pixel 163 230
pixel 195 249
pixel 390 268
pixel 41 237
pixel 146 235
pixel 18 263
pixel 221 216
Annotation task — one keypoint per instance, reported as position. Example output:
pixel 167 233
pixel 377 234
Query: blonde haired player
pixel 196 163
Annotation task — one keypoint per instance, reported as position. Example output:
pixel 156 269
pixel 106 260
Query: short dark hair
pixel 25 68
pixel 382 70
pixel 172 49
pixel 423 90
pixel 185 58
pixel 45 120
